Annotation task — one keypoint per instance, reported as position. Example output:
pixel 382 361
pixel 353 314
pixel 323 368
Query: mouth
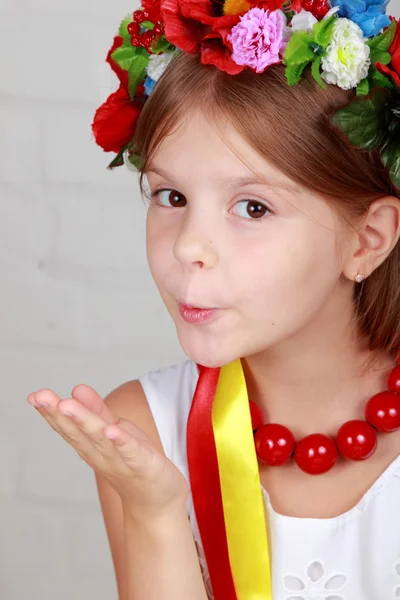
pixel 191 306
pixel 196 315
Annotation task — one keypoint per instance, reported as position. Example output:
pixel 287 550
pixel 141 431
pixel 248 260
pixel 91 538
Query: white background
pixel 77 303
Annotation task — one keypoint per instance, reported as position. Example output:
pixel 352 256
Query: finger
pixel 87 396
pixel 90 423
pixel 47 402
pixel 43 398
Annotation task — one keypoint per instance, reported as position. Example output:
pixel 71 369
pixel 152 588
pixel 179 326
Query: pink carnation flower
pixel 259 39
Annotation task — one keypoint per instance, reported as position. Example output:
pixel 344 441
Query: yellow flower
pixel 236 7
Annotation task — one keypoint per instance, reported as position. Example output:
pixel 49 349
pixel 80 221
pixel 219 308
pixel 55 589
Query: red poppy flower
pixel 152 7
pixel 192 26
pixel 394 50
pixel 275 4
pixel 115 121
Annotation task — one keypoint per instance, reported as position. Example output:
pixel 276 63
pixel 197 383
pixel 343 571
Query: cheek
pixel 155 246
pixel 292 277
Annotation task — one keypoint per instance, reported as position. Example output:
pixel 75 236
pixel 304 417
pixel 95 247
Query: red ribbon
pixel 206 486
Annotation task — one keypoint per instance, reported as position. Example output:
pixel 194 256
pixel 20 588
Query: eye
pixel 254 209
pixel 169 197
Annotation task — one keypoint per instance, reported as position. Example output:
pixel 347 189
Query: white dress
pixel 354 556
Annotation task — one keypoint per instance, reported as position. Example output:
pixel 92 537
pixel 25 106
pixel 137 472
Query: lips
pixel 195 306
pixel 195 315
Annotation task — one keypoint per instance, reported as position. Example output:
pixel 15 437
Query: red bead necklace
pixel 317 453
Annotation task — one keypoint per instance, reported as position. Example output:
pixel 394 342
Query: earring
pixel 359 278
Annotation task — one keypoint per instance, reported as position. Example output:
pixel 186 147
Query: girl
pixel 273 232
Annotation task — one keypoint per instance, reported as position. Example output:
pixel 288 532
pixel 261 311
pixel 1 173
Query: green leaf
pixel 381 57
pixel 378 79
pixel 298 50
pixel 134 60
pixel 148 25
pixel 294 72
pixel 315 70
pixel 135 160
pixel 363 120
pixel 304 48
pixel 382 42
pixel 322 31
pixel 363 87
pixel 390 155
pixel 118 161
pixel 124 55
pixel 137 70
pixel 123 28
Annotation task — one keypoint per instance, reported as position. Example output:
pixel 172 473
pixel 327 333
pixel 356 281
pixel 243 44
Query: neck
pixel 318 384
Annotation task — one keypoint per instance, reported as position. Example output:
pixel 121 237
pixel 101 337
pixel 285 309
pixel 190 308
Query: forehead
pixel 199 148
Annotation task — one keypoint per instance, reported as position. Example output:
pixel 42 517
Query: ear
pixel 375 238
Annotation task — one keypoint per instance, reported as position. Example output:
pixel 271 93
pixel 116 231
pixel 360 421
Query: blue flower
pixel 369 15
pixel 149 85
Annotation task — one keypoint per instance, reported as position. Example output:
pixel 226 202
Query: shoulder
pixel 128 398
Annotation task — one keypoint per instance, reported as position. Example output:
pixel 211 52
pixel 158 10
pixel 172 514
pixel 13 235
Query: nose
pixel 194 246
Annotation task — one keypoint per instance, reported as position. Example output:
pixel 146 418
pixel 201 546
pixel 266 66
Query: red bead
pixel 135 40
pixel 147 44
pixel 158 29
pixel 316 454
pixel 308 4
pixel 256 415
pixel 356 440
pixel 274 444
pixel 320 10
pixel 133 28
pixel 139 16
pixel 394 380
pixel 383 411
pixel 148 36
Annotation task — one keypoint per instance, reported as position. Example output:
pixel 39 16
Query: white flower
pixel 347 59
pixel 304 20
pixel 158 64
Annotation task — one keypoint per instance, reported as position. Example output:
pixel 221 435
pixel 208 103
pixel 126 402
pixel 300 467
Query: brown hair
pixel 289 127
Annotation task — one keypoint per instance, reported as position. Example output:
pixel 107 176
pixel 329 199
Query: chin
pixel 206 356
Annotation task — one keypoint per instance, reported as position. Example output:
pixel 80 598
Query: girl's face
pixel 251 243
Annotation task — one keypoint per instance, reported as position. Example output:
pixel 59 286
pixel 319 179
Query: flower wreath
pixel 348 43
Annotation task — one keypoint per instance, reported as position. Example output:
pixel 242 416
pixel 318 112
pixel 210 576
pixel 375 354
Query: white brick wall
pixel 77 303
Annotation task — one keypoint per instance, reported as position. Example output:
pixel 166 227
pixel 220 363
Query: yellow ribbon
pixel 243 503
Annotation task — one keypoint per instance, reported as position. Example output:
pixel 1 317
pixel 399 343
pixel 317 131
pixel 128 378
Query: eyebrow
pixel 228 182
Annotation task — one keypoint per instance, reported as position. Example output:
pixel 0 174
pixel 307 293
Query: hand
pixel 148 483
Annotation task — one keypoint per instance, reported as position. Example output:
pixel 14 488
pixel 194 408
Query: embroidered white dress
pixel 354 556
